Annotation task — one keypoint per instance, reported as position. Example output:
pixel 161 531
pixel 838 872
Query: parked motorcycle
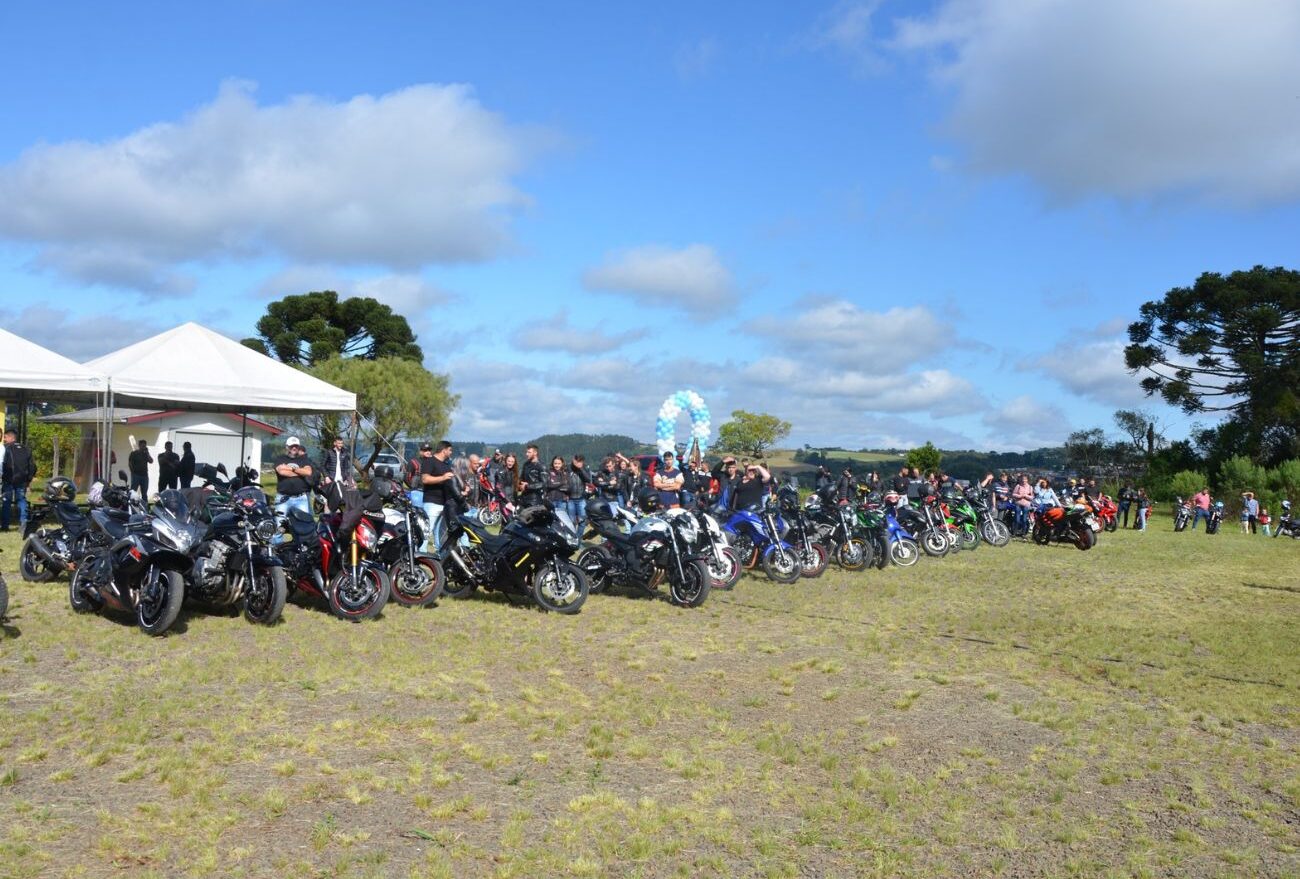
pixel 1074 524
pixel 758 538
pixel 335 563
pixel 417 577
pixel 1286 523
pixel 1216 518
pixel 140 567
pixel 234 565
pixel 721 560
pixel 529 559
pixel 1107 513
pixel 56 534
pixel 893 542
pixel 802 535
pixel 924 523
pixel 838 528
pixel 1182 514
pixel 659 547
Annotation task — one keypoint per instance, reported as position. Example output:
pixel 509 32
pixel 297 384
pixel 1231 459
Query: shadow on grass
pixel 1295 589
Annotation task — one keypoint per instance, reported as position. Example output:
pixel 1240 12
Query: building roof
pixel 143 416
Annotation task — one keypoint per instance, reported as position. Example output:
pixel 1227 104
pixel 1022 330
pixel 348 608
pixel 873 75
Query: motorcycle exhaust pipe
pixel 38 546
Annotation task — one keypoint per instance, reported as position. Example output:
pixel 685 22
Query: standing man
pixel 293 477
pixel 187 465
pixel 16 473
pixel 336 473
pixel 436 478
pixel 1252 511
pixel 532 478
pixel 668 482
pixel 169 468
pixel 1125 502
pixel 414 468
pixel 579 479
pixel 138 463
pixel 1200 507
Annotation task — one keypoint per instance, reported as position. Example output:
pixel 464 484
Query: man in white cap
pixel 293 477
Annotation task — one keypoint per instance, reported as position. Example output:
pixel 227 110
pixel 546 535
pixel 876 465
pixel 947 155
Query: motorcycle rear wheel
pixel 693 590
pixel 1084 538
pixel 967 538
pixel 82 601
pixel 354 600
pixel 781 565
pixel 32 567
pixel 156 613
pixel 564 593
pixel 595 562
pixel 489 517
pixel 266 606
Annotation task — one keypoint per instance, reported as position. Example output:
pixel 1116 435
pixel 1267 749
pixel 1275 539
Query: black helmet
pixel 648 500
pixel 60 488
pixel 600 509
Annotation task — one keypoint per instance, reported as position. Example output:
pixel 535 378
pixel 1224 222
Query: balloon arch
pixel 666 426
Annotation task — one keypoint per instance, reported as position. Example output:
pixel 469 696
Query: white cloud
pixel 936 391
pixel 418 176
pixel 1026 423
pixel 1091 364
pixel 847 30
pixel 694 59
pixel 79 336
pixel 555 333
pixel 1136 100
pixel 841 332
pixel 691 278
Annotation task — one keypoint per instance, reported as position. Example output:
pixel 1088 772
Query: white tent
pixel 192 367
pixel 28 370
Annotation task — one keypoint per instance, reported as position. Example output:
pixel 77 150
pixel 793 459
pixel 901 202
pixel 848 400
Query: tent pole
pixel 243 434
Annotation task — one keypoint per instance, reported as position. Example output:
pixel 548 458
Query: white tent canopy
pixel 27 369
pixel 192 367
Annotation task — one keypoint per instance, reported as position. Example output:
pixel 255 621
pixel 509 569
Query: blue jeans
pixel 140 481
pixel 1022 519
pixel 1198 515
pixel 1141 519
pixel 282 505
pixel 14 494
pixel 578 513
pixel 437 529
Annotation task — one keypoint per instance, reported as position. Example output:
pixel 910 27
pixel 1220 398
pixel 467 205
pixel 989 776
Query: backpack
pixel 411 475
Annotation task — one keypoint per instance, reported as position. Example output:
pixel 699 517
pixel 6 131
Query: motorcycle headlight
pixel 265 530
pixel 177 538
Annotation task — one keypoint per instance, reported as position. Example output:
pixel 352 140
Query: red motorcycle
pixel 332 560
pixel 1073 524
pixel 1107 512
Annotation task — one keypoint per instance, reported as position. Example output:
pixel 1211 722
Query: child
pixel 1264 521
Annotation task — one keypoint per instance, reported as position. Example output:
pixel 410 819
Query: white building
pixel 214 438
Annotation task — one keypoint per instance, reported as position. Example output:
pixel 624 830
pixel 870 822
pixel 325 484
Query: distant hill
pixel 961 463
pixel 593 447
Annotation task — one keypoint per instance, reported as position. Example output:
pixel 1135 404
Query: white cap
pixel 293 441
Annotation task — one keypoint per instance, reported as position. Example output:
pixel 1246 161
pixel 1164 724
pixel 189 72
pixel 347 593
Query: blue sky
pixel 886 222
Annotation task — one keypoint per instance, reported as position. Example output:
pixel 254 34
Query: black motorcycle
pixel 1182 514
pixel 659 547
pixel 1286 525
pixel 57 533
pixel 141 565
pixel 234 563
pixel 992 529
pixel 924 521
pixel 802 534
pixel 837 527
pixel 417 577
pixel 528 560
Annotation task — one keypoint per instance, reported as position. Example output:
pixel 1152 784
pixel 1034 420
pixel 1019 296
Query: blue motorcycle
pixel 757 538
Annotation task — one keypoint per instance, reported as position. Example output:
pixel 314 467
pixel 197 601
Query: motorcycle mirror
pixel 121 474
pixel 221 468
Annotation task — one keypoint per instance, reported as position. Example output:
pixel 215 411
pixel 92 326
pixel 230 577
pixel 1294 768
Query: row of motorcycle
pixel 223 545
pixel 1285 526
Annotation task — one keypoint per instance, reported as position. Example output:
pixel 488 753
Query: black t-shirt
pixel 138 462
pixel 291 485
pixel 750 494
pixel 438 493
pixel 900 484
pixel 168 462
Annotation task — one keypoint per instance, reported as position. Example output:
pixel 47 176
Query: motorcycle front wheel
pixel 694 589
pixel 358 598
pixel 160 603
pixel 781 565
pixel 562 592
pixel 812 561
pixel 904 552
pixel 935 544
pixel 967 538
pixel 490 517
pixel 418 585
pixel 264 597
pixel 853 554
pixel 725 571
pixel 1083 537
pixel 995 532
pixel 82 601
pixel 1112 524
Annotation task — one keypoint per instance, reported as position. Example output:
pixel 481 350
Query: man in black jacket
pixel 187 465
pixel 138 464
pixel 16 473
pixel 169 468
pixel 336 473
pixel 532 478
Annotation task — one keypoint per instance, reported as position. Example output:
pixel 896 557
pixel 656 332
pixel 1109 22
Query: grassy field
pixel 882 461
pixel 1130 711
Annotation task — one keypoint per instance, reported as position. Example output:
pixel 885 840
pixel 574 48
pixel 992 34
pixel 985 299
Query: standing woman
pixel 1045 496
pixel 555 485
pixel 1143 508
pixel 1023 497
pixel 507 479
